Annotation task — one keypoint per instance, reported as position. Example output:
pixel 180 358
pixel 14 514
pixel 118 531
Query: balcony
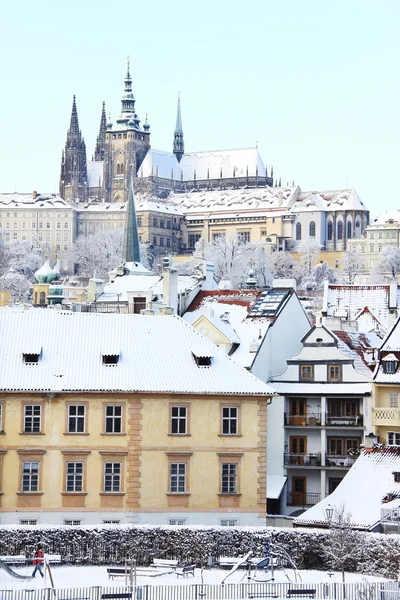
pixel 343 421
pixel 303 498
pixel 302 460
pixel 338 460
pixel 385 416
pixel 312 419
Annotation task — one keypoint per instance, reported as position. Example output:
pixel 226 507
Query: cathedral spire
pixel 179 147
pixel 131 248
pixel 101 138
pixel 128 115
pixel 74 123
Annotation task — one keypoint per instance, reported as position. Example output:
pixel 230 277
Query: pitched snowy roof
pixel 203 165
pixel 346 199
pixel 235 315
pixel 385 220
pixel 25 201
pixel 361 347
pixel 155 355
pixel 285 388
pixel 236 200
pixel 95 173
pixel 140 203
pixel 354 299
pixel 362 491
pixel 390 344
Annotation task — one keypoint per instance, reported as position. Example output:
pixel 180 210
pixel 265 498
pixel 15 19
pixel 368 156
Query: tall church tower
pixel 179 146
pixel 73 178
pixel 127 143
pixel 101 138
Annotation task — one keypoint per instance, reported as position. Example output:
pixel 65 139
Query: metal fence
pixel 389 590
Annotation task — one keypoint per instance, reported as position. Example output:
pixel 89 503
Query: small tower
pixel 73 178
pixel 131 247
pixel 179 146
pixel 101 138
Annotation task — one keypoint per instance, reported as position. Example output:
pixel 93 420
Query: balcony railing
pixel 302 460
pixel 338 460
pixel 312 418
pixel 303 498
pixel 385 416
pixel 345 421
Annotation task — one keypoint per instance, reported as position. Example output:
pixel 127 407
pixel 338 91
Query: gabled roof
pixel 362 491
pixel 363 348
pixel 156 355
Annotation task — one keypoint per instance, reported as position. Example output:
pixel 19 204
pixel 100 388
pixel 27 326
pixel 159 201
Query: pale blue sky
pixel 316 83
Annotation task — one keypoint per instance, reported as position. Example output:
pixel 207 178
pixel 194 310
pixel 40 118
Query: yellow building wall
pixel 384 417
pixel 143 449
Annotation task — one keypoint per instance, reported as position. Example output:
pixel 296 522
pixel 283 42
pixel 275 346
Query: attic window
pixel 110 360
pixel 202 360
pixel 390 363
pixel 319 340
pixel 31 358
pixel 396 476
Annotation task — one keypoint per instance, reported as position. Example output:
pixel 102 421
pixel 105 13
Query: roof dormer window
pixel 396 476
pixel 30 358
pixel 202 359
pixel 390 364
pixel 110 360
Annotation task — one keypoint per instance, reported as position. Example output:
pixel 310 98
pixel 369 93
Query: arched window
pixel 330 230
pixel 340 230
pixel 312 229
pixel 298 231
pixel 348 230
pixel 35 297
pixel 42 298
pixel 357 224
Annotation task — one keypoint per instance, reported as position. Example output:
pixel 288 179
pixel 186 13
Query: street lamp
pixel 329 510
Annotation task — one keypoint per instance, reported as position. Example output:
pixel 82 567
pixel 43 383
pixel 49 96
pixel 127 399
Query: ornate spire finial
pixel 101 138
pixel 74 123
pixel 179 146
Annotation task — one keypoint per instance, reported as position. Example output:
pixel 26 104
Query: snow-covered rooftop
pixel 386 219
pixel 390 345
pixel 363 490
pixel 156 355
pixel 203 165
pixel 357 301
pixel 25 201
pixel 346 199
pixel 151 205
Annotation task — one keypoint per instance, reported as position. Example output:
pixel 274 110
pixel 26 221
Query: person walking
pixel 38 561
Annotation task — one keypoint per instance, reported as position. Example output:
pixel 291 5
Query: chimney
pixel 170 288
pixel 165 310
pixel 34 194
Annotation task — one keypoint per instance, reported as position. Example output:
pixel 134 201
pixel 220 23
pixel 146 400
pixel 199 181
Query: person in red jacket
pixel 38 561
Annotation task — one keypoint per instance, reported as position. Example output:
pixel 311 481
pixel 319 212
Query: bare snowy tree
pixel 309 250
pixel 320 273
pixel 351 268
pixel 283 265
pixel 262 264
pixel 343 545
pixel 24 256
pixel 230 256
pixel 387 267
pixel 17 283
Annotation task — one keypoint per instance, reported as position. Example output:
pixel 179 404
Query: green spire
pixel 131 248
pixel 179 147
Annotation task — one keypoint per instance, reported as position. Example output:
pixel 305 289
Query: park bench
pixel 116 596
pixel 301 592
pixel 165 562
pixel 117 572
pixel 185 571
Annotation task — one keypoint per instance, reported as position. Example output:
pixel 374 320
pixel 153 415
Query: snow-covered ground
pixel 79 577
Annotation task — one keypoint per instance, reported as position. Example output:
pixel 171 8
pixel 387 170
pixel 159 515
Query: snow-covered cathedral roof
pixel 156 354
pixel 203 165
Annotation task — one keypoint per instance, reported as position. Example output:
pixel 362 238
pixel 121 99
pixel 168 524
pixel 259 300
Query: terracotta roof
pixel 365 345
pixel 239 297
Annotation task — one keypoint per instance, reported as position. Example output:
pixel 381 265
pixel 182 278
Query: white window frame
pixel 179 420
pixel 112 477
pixel 75 420
pixel 74 476
pixel 393 400
pixel 177 477
pixel 111 522
pixel 177 522
pixel 393 438
pixel 112 420
pixel 28 521
pixel 230 420
pixel 72 522
pixel 229 478
pixel 33 421
pixel 30 476
pixel 229 522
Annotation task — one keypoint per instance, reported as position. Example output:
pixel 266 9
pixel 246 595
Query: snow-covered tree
pixel 262 264
pixel 309 250
pixel 320 273
pixel 344 545
pixel 283 265
pixel 388 264
pixel 17 283
pixel 351 268
pixel 24 256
